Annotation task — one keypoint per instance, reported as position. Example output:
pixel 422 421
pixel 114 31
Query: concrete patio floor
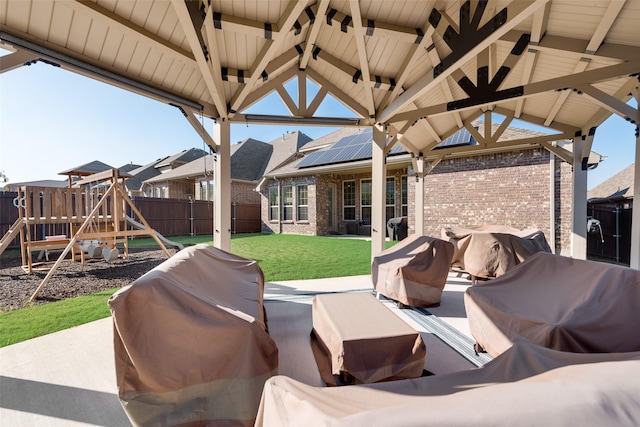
pixel 68 378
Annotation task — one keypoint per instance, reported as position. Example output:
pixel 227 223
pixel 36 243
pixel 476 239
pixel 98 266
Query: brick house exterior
pixel 511 188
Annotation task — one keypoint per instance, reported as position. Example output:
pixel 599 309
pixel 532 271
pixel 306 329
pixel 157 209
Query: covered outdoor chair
pixel 414 271
pixel 191 341
pixel 526 385
pixel 560 303
pixel 489 251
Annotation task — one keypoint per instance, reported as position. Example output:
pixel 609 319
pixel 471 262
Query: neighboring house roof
pixel 185 156
pixel 286 148
pixel 619 186
pixel 87 169
pixel 128 167
pixel 41 183
pixel 248 161
pixel 141 174
pixel 193 169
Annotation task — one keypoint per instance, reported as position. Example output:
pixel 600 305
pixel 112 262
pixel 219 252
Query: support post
pixel 579 202
pixel 419 195
pixel 552 202
pixel 378 191
pixel 222 186
pixel 635 219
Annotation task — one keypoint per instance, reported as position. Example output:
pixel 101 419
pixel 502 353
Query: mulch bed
pixel 72 279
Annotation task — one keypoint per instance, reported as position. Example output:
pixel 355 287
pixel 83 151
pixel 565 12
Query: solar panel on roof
pixel 364 151
pixel 359 147
pixel 397 149
pixel 462 137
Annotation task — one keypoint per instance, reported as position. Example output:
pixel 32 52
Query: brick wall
pixel 242 192
pixel 564 198
pixel 294 226
pixel 506 188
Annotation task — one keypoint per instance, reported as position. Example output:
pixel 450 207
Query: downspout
pixel 191 214
pixel 618 232
pixel 279 205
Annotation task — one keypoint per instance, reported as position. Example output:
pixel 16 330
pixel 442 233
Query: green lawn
pixel 281 257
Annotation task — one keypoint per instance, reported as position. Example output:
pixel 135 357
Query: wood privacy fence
pixel 169 217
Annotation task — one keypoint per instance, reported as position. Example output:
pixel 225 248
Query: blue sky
pixel 52 120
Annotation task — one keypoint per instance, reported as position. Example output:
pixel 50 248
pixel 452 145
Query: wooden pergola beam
pixel 16 60
pixel 517 11
pixel 196 40
pixel 269 50
pixel 559 83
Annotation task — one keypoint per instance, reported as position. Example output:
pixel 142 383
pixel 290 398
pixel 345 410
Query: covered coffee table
pixel 357 340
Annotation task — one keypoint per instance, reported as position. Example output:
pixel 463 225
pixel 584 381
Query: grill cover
pixel 191 344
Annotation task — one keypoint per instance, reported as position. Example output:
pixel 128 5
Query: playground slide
pixel 136 224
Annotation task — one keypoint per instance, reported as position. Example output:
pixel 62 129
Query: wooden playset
pixel 95 212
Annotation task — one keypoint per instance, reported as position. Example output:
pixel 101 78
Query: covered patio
pixel 69 376
pixel 416 72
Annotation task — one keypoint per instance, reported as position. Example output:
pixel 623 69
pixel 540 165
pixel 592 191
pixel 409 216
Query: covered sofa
pixel 414 271
pixel 526 385
pixel 489 251
pixel 191 341
pixel 560 303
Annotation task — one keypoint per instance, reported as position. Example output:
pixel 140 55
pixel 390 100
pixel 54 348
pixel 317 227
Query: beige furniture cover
pixel 414 271
pixel 560 303
pixel 356 339
pixel 191 342
pixel 526 385
pixel 491 250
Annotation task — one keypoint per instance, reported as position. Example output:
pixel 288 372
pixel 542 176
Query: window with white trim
pixel 273 204
pixel 302 201
pixel 203 190
pixel 365 200
pixel 349 200
pixel 404 195
pixel 287 203
pixel 390 199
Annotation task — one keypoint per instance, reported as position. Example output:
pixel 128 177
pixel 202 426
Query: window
pixel 391 198
pixel 405 198
pixel 302 200
pixel 165 192
pixel 203 190
pixel 365 201
pixel 287 203
pixel 157 192
pixel 273 203
pixel 349 199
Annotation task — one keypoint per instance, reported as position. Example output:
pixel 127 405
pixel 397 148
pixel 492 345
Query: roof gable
pixel 619 186
pixel 249 159
pixel 286 147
